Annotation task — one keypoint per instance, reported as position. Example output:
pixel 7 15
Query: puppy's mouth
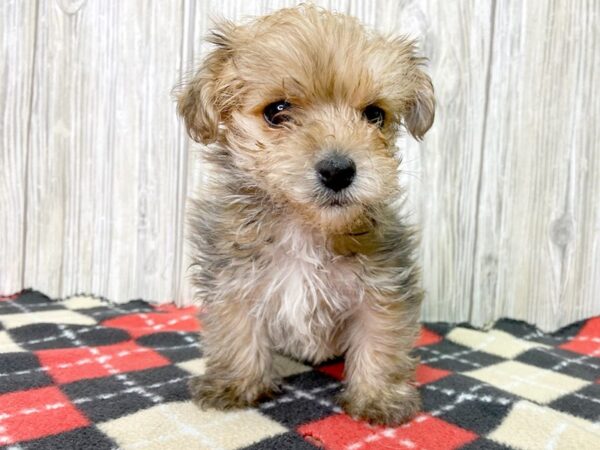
pixel 336 203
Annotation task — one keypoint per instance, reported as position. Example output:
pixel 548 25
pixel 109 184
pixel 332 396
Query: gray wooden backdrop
pixel 95 167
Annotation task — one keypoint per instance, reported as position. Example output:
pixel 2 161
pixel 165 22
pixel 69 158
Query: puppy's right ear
pixel 201 100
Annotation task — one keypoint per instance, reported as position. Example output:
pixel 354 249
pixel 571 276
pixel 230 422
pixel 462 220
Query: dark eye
pixel 374 114
pixel 277 113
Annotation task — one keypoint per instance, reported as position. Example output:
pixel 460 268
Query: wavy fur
pixel 280 263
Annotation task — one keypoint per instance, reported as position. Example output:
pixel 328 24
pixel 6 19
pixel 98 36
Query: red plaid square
pixel 173 308
pixel 426 374
pixel 335 370
pixel 8 297
pixel 142 324
pixel 71 364
pixel 427 337
pixel 342 432
pixel 36 413
pixel 587 340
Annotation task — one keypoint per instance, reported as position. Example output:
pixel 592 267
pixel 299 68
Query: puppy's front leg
pixel 238 359
pixel 379 368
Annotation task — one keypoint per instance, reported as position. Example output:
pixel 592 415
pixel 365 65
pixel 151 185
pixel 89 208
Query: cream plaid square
pixel 194 366
pixel 495 342
pixel 82 302
pixel 283 366
pixel 527 381
pixel 7 345
pixel 182 425
pixel 286 367
pixel 63 316
pixel 530 426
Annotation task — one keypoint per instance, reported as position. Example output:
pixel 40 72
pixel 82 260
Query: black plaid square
pixel 21 371
pixel 79 439
pixel 440 328
pixel 467 403
pixel 103 399
pixel 304 398
pixel 102 313
pixel 178 346
pixel 27 302
pixel 563 361
pixel 454 357
pixel 285 441
pixel 169 382
pixel 584 403
pixel 43 336
pixel 485 444
pixel 529 332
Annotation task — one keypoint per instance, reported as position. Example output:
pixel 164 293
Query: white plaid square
pixel 82 302
pixel 495 342
pixel 183 425
pixel 530 426
pixel 63 316
pixel 527 381
pixel 7 345
pixel 195 366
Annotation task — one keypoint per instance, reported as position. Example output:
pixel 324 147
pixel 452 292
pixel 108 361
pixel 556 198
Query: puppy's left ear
pixel 421 112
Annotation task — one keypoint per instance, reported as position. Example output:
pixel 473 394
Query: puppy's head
pixel 305 105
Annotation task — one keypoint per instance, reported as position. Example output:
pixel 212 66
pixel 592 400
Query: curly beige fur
pixel 281 263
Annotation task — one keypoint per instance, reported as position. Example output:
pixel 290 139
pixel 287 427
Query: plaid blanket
pixel 82 373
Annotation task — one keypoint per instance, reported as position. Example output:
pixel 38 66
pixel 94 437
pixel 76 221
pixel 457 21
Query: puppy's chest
pixel 307 293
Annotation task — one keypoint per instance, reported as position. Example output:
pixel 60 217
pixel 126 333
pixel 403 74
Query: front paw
pixel 221 393
pixel 390 405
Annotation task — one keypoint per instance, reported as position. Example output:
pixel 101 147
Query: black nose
pixel 336 171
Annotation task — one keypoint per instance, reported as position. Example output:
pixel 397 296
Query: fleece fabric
pixel 84 373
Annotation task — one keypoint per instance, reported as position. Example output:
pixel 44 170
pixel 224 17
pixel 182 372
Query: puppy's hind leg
pixel 238 359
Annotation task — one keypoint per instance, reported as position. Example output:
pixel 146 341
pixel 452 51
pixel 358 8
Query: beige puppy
pixel 299 247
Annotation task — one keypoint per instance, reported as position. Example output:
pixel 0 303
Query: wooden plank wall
pixel 95 167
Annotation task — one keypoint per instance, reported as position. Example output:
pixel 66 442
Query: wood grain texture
pixel 456 37
pixel 538 240
pixel 17 59
pixel 95 167
pixel 105 189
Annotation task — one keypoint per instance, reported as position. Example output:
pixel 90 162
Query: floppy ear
pixel 201 99
pixel 419 117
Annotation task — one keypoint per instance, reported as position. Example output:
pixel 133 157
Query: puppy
pixel 298 244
